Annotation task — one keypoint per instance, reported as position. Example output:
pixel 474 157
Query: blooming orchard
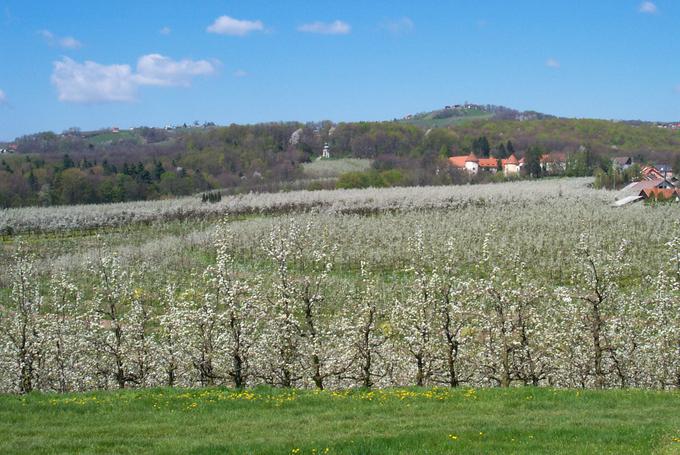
pixel 480 295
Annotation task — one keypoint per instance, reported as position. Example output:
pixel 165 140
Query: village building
pixel 659 171
pixel 474 165
pixel 666 170
pixel 661 194
pixel 326 151
pixel 650 184
pixel 511 165
pixel 554 162
pixel 469 163
pixel 622 163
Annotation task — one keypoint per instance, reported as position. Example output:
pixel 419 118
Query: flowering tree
pixel 596 288
pixel 296 315
pixel 452 302
pixel 22 348
pixel 362 339
pixel 107 330
pixel 415 317
pixel 236 299
pixel 171 337
pixel 65 353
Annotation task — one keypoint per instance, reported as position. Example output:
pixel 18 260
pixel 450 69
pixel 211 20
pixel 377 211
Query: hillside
pixel 154 163
pixel 609 138
pixel 458 114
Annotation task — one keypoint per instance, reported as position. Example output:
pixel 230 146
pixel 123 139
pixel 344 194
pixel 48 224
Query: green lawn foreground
pixel 404 421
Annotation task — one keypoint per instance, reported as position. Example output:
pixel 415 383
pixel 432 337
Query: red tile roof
pixel 554 157
pixel 648 184
pixel 651 171
pixel 512 159
pixel 457 161
pixel 488 162
pixel 660 193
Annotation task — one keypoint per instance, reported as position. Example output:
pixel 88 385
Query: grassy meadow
pixel 389 421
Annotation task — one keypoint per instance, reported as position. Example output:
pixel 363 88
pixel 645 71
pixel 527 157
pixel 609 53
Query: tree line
pixel 150 163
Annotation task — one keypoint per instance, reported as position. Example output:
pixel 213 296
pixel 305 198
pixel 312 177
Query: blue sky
pixel 130 63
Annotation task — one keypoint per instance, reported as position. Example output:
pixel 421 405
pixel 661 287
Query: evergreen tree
pixel 158 170
pixel 6 167
pixel 501 152
pixel 510 148
pixel 67 162
pixel 532 159
pixel 485 147
pixel 32 181
pixel 481 147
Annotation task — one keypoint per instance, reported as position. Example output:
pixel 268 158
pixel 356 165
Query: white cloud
pixel 648 8
pixel 326 28
pixel 241 73
pixel 3 97
pixel 225 25
pixel 91 82
pixel 165 31
pixel 405 24
pixel 66 42
pixel 48 35
pixel 156 69
pixel 552 63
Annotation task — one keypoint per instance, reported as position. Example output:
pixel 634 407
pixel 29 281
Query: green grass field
pixel 108 137
pixel 328 168
pixel 430 120
pixel 404 421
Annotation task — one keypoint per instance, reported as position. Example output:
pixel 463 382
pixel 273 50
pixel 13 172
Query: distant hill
pixel 461 113
pixel 114 165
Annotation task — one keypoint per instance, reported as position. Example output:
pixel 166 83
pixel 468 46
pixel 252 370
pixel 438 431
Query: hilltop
pixel 456 114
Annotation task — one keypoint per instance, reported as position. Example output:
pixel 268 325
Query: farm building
pixel 646 189
pixel 648 185
pixel 663 194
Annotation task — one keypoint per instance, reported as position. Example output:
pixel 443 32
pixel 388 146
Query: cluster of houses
pixel 550 162
pixel 656 182
pixel 10 148
pixel 669 126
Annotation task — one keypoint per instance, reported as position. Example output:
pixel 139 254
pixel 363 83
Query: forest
pixel 151 163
